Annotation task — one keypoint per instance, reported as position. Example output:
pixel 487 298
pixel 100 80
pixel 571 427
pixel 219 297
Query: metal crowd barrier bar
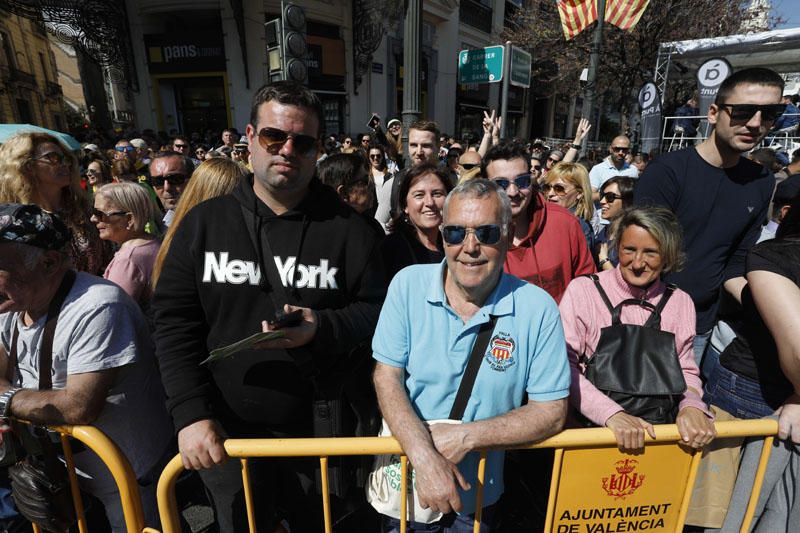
pixel 591 441
pixel 118 466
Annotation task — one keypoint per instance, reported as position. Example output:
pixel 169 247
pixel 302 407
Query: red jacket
pixel 554 252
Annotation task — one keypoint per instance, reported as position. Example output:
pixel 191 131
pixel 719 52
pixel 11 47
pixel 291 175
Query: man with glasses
pixel 469 165
pixel 280 253
pixel 720 197
pixel 124 149
pixel 613 165
pixel 443 319
pixel 169 172
pixel 548 247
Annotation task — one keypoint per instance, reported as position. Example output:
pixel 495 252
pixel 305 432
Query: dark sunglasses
pixel 375 156
pixel 173 179
pixel 536 168
pixel 552 160
pixel 469 166
pixel 487 234
pixel 610 197
pixel 100 215
pixel 623 149
pixel 124 148
pixel 54 158
pixel 179 146
pixel 744 112
pixel 273 139
pixel 523 181
pixel 557 188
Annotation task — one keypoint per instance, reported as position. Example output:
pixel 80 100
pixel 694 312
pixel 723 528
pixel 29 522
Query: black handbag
pixel 39 481
pixel 637 366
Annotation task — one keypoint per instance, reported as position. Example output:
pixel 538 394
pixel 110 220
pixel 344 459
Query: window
pixel 8 48
pixel 44 67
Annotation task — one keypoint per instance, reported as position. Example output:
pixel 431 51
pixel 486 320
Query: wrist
pixel 5 401
pixel 576 145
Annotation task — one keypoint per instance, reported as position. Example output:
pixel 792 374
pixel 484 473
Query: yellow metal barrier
pixel 118 466
pixel 580 455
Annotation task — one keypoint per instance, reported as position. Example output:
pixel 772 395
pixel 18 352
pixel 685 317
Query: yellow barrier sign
pixel 606 491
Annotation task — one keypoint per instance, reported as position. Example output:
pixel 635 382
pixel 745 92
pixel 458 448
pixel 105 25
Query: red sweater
pixel 554 252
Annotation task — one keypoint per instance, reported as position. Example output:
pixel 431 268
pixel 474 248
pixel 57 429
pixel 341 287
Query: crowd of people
pixel 459 296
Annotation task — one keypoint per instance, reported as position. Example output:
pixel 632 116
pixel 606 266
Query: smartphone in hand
pixel 374 121
pixel 283 319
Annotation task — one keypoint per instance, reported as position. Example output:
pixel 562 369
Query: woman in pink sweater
pixel 649 245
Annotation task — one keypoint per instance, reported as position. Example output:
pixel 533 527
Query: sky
pixel 789 10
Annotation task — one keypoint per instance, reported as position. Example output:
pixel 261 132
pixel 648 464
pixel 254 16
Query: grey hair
pixel 481 188
pixel 134 199
pixel 31 255
pixel 662 224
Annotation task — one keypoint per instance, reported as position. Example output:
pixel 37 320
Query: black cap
pixel 30 224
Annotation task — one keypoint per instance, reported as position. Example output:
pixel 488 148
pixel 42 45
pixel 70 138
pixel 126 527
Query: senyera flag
pixel 576 15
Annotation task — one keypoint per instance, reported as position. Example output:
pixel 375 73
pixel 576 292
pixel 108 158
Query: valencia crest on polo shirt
pixel 500 353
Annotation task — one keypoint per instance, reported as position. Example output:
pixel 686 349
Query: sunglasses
pixel 523 181
pixel 273 139
pixel 101 215
pixel 54 158
pixel 91 172
pixel 173 179
pixel 348 141
pixel 536 168
pixel 610 197
pixel 556 188
pixel 744 112
pixel 487 234
pixel 623 149
pixel 375 156
pixel 469 166
pixel 124 148
pixel 179 146
pixel 553 160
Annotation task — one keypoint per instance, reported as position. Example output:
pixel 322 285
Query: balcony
pixel 52 89
pixel 25 78
pixel 475 14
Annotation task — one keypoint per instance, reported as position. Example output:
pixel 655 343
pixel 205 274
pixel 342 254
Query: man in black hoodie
pixel 280 241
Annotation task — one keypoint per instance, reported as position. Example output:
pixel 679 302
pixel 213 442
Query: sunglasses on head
pixel 623 149
pixel 523 181
pixel 54 158
pixel 610 197
pixel 469 166
pixel 173 179
pixel 273 139
pixel 124 148
pixel 487 234
pixel 556 188
pixel 744 112
pixel 101 215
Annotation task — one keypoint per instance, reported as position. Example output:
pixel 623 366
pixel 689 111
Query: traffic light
pixel 286 45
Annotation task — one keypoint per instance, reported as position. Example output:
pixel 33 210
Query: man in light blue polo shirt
pixel 613 165
pixel 424 338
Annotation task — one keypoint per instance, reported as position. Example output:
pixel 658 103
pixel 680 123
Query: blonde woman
pixel 214 177
pixel 36 168
pixel 567 184
pixel 121 212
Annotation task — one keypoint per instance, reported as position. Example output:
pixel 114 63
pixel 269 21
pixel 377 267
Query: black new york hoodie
pixel 210 294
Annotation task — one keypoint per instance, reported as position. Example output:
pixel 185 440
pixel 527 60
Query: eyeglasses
pixel 173 179
pixel 375 156
pixel 744 112
pixel 394 126
pixel 622 149
pixel 179 146
pixel 610 197
pixel 348 141
pixel 273 139
pixel 54 158
pixel 556 188
pixel 553 160
pixel 488 234
pixel 469 166
pixel 364 141
pixel 536 168
pixel 198 152
pixel 523 181
pixel 101 215
pixel 91 172
pixel 125 148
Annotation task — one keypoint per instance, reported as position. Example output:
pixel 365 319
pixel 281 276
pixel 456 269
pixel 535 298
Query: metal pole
pixel 506 76
pixel 590 93
pixel 411 67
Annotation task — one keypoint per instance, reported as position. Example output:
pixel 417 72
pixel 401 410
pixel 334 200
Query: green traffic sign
pixel 484 65
pixel 520 68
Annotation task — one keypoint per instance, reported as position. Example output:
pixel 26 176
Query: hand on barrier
pixel 294 336
pixel 201 445
pixel 629 431
pixel 450 440
pixel 789 419
pixel 436 479
pixel 696 429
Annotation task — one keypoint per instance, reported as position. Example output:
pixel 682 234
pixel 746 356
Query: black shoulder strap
pixel 602 292
pixel 655 319
pixel 473 365
pixel 46 350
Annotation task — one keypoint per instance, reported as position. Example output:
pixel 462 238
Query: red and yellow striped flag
pixel 576 15
pixel 625 14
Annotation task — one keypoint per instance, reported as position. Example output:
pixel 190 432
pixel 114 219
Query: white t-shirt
pixel 100 327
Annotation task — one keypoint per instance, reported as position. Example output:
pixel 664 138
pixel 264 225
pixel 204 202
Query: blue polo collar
pixel 500 301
